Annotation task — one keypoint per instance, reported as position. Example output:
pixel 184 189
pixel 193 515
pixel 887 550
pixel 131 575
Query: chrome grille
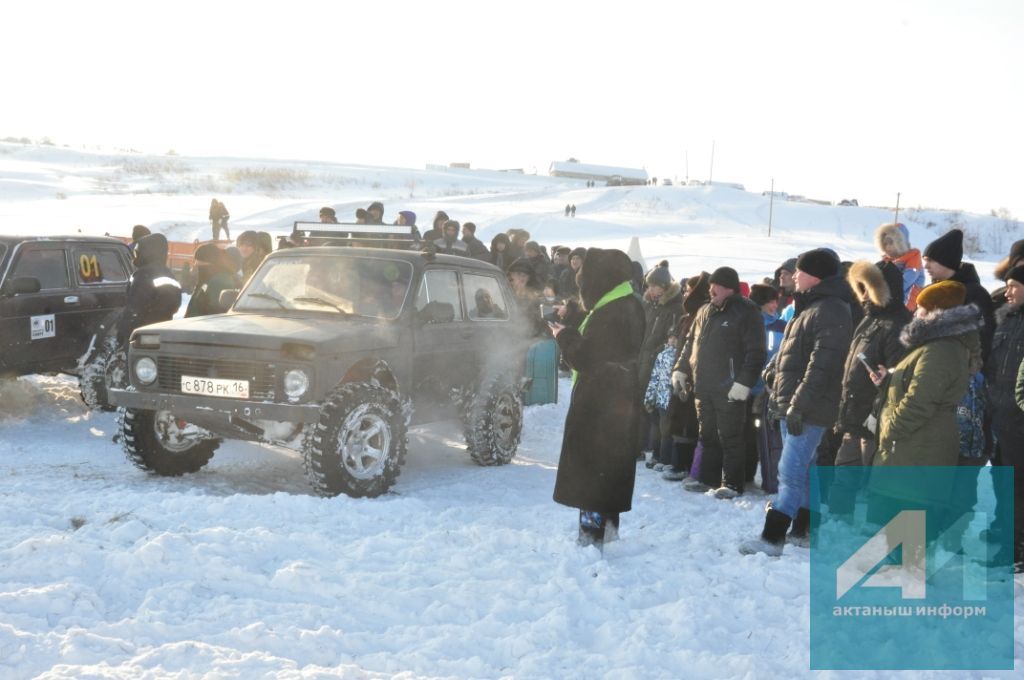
pixel 261 377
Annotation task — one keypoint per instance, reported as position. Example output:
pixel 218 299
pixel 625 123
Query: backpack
pixel 970 417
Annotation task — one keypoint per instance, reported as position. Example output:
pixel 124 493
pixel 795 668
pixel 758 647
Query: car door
pixel 100 277
pixel 442 342
pixel 37 326
pixel 494 337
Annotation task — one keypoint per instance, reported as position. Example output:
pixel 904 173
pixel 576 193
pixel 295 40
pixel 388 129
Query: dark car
pixel 333 351
pixel 57 294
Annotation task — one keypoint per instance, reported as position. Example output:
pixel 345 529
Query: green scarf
pixel 620 291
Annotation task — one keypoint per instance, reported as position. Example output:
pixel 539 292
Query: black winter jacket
pixel 662 318
pixel 153 293
pixel 806 373
pixel 1003 364
pixel 724 345
pixel 977 294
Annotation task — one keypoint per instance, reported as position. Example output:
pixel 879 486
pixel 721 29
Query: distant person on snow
pixel 572 210
pixel 219 219
pixel 567 207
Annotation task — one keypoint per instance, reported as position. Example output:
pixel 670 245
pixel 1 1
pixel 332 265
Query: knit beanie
pixel 942 295
pixel 727 277
pixel 659 276
pixel 819 263
pixel 948 249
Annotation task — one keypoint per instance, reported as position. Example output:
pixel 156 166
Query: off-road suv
pixel 57 295
pixel 333 351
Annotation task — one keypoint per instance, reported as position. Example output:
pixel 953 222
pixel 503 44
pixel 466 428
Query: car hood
pixel 264 331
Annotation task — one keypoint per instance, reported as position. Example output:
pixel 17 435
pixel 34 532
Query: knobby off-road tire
pixel 106 369
pixel 359 444
pixel 157 442
pixel 493 422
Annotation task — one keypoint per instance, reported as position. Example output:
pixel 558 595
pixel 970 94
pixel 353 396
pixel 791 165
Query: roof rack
pixel 367 235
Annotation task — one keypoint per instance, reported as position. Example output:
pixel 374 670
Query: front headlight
pixel 296 383
pixel 145 370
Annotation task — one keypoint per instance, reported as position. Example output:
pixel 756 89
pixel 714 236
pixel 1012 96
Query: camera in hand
pixel 548 313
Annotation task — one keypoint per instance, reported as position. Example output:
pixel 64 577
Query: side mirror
pixel 436 312
pixel 21 286
pixel 227 298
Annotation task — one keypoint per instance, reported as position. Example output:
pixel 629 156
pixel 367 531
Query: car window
pixel 440 287
pixel 373 287
pixel 46 264
pixel 98 265
pixel 483 297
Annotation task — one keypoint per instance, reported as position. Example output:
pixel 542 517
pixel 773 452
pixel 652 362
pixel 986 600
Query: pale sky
pixel 852 100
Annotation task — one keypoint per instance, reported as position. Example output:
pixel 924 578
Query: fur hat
pixel 894 232
pixel 602 270
pixel 948 249
pixel 659 276
pixel 1012 260
pixel 819 263
pixel 867 278
pixel 761 294
pixel 942 295
pixel 1015 274
pixel 140 230
pixel 328 211
pixel 726 276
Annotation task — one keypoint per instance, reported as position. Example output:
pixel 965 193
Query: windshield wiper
pixel 268 296
pixel 320 301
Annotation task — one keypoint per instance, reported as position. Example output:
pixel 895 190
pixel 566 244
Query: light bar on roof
pixel 327 229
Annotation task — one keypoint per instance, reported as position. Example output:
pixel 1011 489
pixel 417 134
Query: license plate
pixel 215 387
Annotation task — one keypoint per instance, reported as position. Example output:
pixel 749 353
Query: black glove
pixel 795 422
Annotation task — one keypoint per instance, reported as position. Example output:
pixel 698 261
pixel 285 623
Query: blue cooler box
pixel 542 371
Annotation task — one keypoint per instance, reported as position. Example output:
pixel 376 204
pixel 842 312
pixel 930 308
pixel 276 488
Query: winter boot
pixel 727 492
pixel 695 485
pixel 674 474
pixel 772 538
pixel 592 529
pixel 800 533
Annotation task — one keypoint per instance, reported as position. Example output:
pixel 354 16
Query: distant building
pixel 600 173
pixel 460 166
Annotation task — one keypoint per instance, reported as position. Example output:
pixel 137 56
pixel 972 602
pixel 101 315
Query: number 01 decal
pixel 89 268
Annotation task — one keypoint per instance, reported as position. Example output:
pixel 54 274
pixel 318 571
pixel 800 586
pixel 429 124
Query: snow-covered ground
pixel 462 572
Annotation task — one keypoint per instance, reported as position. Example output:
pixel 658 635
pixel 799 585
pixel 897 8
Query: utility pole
pixel 711 172
pixel 771 201
pixel 896 218
pixel 687 152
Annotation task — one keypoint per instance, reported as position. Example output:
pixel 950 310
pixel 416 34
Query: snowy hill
pixel 462 572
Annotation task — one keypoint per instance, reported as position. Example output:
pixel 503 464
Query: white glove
pixel 681 384
pixel 738 392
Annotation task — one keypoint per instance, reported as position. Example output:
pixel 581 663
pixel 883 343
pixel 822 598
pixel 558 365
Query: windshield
pixel 330 284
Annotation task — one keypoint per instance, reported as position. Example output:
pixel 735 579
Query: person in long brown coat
pixel 597 465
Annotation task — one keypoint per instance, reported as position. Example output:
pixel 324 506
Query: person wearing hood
pixel 1003 367
pixel 407 218
pixel 663 308
pixel 721 358
pixel 517 243
pixel 500 256
pixel 213 275
pixel 449 243
pixel 893 242
pixel 154 294
pixel 476 247
pixel 375 213
pixel 534 255
pixel 876 341
pixel 943 260
pixel 1015 258
pixel 597 463
pixel 568 288
pixel 917 425
pixel 248 244
pixel 436 230
pixel 805 381
pixel 685 425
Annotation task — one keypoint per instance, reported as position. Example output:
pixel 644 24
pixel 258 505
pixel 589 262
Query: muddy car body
pixel 333 351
